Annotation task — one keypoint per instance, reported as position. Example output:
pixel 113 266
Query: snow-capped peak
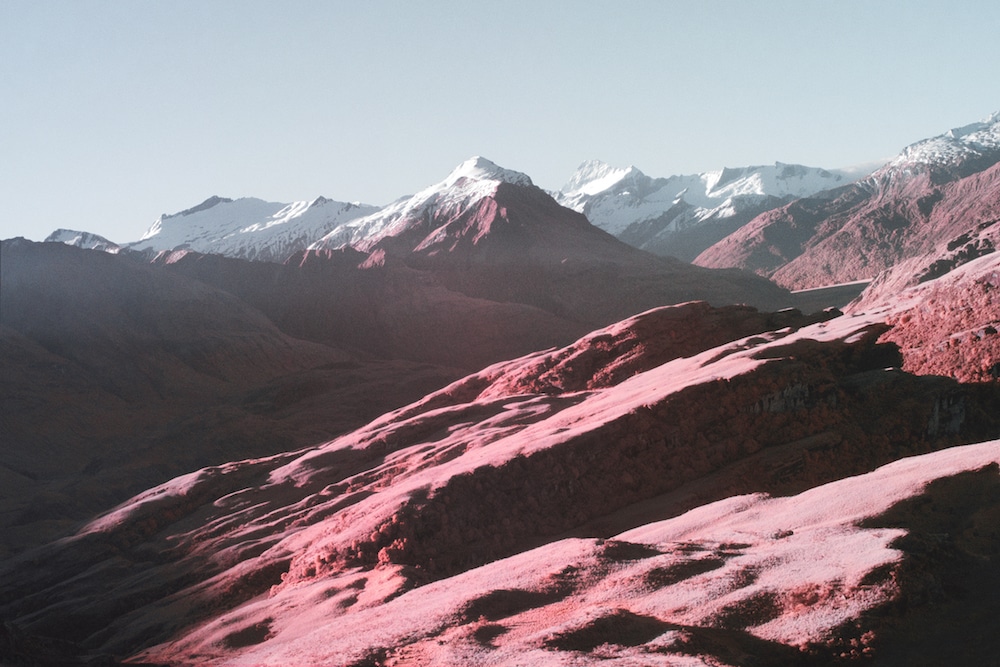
pixel 953 146
pixel 616 198
pixel 595 176
pixel 214 200
pixel 249 228
pixel 471 181
pixel 480 169
pixel 986 124
pixel 83 240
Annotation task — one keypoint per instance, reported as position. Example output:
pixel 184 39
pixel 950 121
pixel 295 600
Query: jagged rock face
pixel 948 326
pixel 866 228
pixel 479 471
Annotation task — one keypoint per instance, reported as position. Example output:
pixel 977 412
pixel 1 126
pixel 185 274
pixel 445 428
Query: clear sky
pixel 113 112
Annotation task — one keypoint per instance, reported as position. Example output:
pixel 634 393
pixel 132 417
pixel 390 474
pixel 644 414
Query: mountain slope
pixel 119 375
pixel 682 215
pixel 946 326
pixel 314 555
pixel 381 309
pixel 933 194
pixel 800 580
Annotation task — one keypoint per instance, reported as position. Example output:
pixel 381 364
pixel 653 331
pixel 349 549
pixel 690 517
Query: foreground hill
pixel 514 514
pixel 838 574
pixel 947 326
pixel 939 195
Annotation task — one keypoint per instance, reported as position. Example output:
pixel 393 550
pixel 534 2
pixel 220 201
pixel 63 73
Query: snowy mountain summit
pixel 470 182
pixel 481 170
pixel 976 140
pixel 249 228
pixel 83 240
pixel 680 215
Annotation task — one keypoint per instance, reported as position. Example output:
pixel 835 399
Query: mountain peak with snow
pixel 249 228
pixel 957 145
pixel 214 200
pixel 468 184
pixel 684 214
pixel 594 176
pixel 478 168
pixel 84 240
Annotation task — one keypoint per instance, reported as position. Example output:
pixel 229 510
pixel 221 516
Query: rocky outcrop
pixel 947 326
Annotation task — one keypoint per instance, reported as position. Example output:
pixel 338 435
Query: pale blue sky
pixel 113 112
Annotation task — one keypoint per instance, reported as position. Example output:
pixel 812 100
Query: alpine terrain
pixel 939 200
pixel 473 428
pixel 248 228
pixel 681 216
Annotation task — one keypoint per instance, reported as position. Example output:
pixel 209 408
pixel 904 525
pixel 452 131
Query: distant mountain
pixel 248 228
pixel 485 214
pixel 428 220
pixel 488 232
pixel 84 240
pixel 682 215
pixel 959 152
pixel 940 196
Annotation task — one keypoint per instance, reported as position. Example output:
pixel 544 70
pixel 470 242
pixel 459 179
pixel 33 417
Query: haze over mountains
pixel 483 425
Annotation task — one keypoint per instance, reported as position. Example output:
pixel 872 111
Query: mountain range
pixel 477 426
pixel 701 218
pixel 938 199
pixel 682 215
pixel 677 216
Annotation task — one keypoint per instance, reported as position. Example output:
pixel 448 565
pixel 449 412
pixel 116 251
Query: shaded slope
pixel 118 375
pixel 381 308
pixel 480 471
